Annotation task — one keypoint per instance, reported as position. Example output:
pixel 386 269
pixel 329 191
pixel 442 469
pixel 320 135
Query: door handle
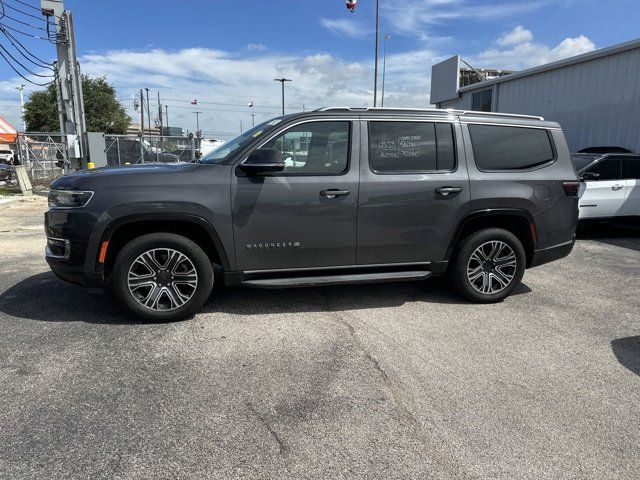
pixel 446 191
pixel 333 193
pixel 617 187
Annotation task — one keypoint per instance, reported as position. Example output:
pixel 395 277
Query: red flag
pixel 351 5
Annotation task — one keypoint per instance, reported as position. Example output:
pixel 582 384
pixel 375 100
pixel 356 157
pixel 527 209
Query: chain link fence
pixel 44 155
pixel 129 149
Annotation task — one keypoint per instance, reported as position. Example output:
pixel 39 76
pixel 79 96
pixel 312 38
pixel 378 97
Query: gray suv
pixel 334 196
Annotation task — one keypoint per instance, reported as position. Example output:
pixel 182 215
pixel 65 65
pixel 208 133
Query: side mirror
pixel 263 160
pixel 589 176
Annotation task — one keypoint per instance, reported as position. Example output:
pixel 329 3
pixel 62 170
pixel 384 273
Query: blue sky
pixel 227 52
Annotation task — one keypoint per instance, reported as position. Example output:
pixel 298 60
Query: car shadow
pixel 627 351
pixel 624 235
pixel 44 297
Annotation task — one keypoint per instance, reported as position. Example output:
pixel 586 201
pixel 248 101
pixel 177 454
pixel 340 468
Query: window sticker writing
pixel 406 146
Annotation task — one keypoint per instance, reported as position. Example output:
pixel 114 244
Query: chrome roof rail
pixel 448 111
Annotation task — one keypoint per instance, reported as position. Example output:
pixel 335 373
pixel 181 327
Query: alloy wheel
pixel 162 279
pixel 492 267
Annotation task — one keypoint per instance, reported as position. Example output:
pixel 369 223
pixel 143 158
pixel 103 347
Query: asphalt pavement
pixel 384 381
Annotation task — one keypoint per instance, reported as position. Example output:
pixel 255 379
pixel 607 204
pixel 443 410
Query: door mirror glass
pixel 263 160
pixel 586 176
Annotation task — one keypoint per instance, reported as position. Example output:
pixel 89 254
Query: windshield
pixel 221 153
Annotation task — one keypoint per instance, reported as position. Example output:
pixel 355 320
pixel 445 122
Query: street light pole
pixel 148 112
pixel 282 81
pixel 20 88
pixel 375 74
pixel 197 121
pixel 384 64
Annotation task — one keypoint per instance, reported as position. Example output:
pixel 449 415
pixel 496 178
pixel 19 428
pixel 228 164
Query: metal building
pixel 594 96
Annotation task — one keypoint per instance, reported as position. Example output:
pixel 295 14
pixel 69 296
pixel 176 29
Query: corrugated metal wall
pixel 596 102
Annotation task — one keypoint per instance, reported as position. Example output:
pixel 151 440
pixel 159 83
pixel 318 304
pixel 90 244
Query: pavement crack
pixel 444 458
pixel 282 447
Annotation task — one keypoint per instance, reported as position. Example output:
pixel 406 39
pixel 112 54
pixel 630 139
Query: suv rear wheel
pixel 488 266
pixel 162 277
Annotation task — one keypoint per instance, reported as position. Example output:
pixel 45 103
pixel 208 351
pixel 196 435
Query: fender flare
pixel 492 212
pixel 120 222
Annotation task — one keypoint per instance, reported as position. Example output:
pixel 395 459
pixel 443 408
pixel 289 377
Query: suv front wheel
pixel 488 266
pixel 162 277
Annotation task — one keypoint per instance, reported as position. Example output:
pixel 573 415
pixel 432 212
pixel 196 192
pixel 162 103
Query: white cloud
pixel 515 37
pixel 345 27
pixel 418 16
pixel 232 80
pixel 256 47
pixel 523 52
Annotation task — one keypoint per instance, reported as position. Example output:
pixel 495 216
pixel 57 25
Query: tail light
pixel 571 188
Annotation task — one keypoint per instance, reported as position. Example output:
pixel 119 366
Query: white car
pixel 6 156
pixel 610 185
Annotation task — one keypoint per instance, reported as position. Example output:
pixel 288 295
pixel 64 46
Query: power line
pixel 25 33
pixel 22 65
pixel 24 23
pixel 225 104
pixel 23 77
pixel 27 54
pixel 23 12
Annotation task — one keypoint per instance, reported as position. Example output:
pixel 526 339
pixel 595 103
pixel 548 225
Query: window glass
pixel 481 101
pixel 314 148
pixel 510 148
pixel 631 168
pixel 396 147
pixel 225 150
pixel 446 147
pixel 606 170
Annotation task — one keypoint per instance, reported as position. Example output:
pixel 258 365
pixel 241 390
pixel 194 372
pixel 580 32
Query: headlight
pixel 69 198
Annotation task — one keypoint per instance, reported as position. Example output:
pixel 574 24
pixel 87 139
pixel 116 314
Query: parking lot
pixel 373 381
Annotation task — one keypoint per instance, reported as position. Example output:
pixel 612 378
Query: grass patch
pixel 7 190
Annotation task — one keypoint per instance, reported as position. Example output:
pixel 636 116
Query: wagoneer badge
pixel 272 245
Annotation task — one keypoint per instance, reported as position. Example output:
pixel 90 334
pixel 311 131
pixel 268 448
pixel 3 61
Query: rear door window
pixel 411 147
pixel 510 148
pixel 631 169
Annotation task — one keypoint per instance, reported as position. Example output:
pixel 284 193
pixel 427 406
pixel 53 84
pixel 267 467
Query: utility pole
pixel 197 121
pixel 20 88
pixel 198 132
pixel 253 114
pixel 160 114
pixel 141 113
pixel 282 81
pixel 166 114
pixel 384 64
pixel 69 83
pixel 148 111
pixel 375 69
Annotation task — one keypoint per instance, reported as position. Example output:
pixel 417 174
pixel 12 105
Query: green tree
pixel 102 109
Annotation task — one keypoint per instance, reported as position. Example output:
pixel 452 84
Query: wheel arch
pixel 517 221
pixel 197 229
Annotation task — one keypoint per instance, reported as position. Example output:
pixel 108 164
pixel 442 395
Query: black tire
pixel 490 277
pixel 198 287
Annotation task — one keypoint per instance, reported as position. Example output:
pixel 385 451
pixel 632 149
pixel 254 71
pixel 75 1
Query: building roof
pixel 7 132
pixel 585 57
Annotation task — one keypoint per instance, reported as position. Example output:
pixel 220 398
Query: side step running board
pixel 292 282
